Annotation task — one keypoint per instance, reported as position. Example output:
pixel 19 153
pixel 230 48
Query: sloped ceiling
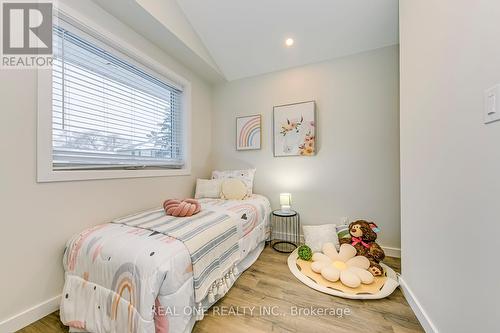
pixel 233 39
pixel 246 37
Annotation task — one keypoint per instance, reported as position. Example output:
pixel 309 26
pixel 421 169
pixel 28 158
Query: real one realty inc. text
pixel 254 311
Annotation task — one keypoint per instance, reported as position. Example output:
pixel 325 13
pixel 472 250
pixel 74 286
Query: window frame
pixel 123 49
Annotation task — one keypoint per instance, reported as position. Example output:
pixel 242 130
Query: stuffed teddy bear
pixel 362 237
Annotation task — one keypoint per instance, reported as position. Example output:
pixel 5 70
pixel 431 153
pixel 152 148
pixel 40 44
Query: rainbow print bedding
pixel 149 272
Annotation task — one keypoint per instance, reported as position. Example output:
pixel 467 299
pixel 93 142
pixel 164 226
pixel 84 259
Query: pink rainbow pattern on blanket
pixel 139 232
pixel 160 318
pixel 125 284
pixel 76 324
pixel 77 245
pixel 96 252
pixel 167 239
pixel 247 209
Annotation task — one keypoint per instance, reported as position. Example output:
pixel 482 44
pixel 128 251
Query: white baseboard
pixel 415 305
pixel 392 251
pixel 30 315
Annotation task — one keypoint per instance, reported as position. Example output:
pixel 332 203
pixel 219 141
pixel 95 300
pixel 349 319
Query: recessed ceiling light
pixel 289 42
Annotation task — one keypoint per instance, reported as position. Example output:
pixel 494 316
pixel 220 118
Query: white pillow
pixel 208 188
pixel 245 175
pixel 317 235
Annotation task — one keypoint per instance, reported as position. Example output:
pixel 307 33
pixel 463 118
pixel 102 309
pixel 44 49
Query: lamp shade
pixel 285 199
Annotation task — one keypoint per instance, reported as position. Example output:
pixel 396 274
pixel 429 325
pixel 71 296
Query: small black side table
pixel 285 230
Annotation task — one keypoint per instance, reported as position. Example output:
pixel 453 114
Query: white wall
pixel 37 219
pixel 450 190
pixel 356 171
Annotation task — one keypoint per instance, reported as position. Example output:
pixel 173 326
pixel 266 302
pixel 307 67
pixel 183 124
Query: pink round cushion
pixel 181 208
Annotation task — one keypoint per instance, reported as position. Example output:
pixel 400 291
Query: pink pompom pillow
pixel 181 208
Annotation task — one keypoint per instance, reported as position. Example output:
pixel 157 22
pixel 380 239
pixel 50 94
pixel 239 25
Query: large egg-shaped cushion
pixel 330 250
pixel 347 252
pixel 365 276
pixel 350 279
pixel 317 266
pixel 330 273
pixel 318 256
pixel 359 261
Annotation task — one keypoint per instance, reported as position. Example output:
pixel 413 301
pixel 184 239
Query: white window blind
pixel 109 113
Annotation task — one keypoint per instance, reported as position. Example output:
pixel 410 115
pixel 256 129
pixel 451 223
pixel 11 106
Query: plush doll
pixel 362 237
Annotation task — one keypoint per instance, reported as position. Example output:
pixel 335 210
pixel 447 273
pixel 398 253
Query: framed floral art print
pixel 294 127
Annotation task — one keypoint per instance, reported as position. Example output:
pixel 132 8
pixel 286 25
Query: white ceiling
pixel 246 37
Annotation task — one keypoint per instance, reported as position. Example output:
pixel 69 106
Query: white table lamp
pixel 285 202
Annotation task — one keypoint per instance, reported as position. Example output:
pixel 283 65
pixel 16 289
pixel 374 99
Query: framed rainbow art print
pixel 248 132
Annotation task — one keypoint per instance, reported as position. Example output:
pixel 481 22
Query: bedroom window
pixel 108 113
pixel 111 117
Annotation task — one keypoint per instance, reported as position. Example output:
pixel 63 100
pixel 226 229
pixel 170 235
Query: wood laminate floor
pixel 281 303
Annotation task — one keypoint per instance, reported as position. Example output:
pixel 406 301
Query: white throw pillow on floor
pixel 317 235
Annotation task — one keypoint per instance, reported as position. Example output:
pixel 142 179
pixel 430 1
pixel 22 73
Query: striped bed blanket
pixel 211 238
pixel 149 272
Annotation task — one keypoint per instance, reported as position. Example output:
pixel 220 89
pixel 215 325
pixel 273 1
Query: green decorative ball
pixel 305 253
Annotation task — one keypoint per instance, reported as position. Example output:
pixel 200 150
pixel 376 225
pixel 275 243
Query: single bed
pixel 150 272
